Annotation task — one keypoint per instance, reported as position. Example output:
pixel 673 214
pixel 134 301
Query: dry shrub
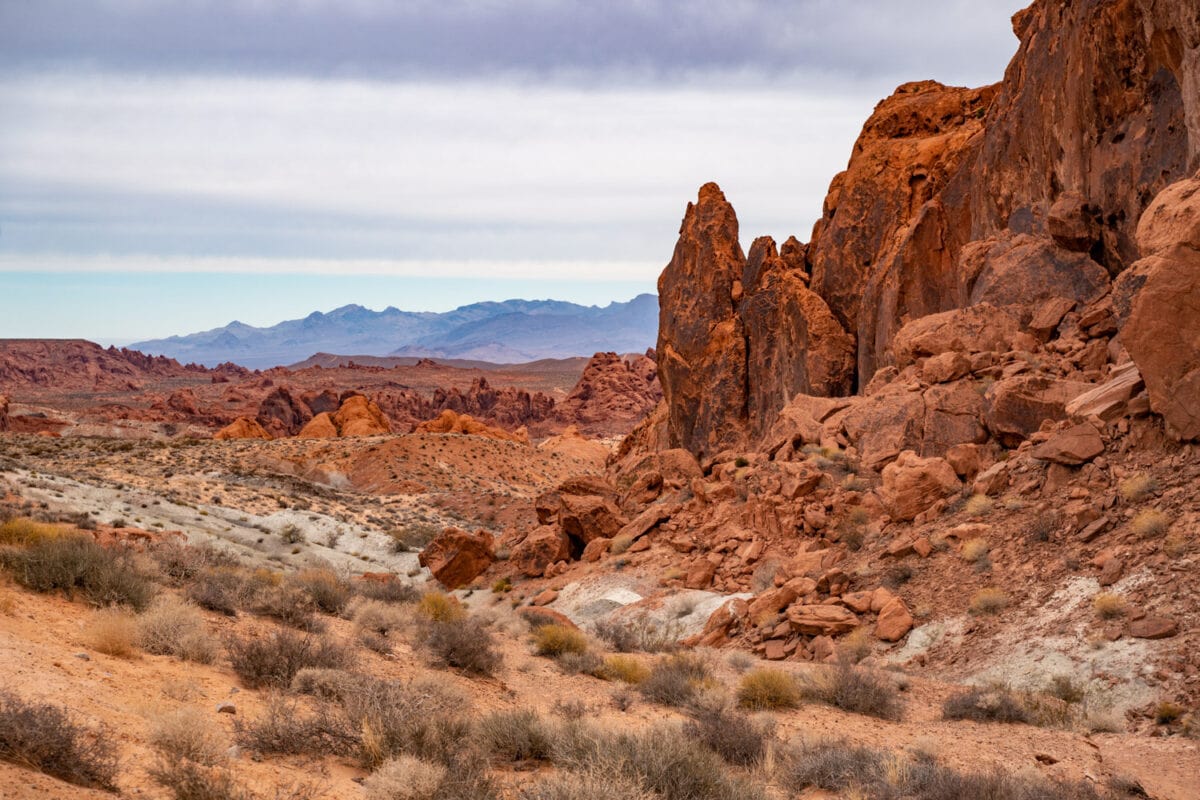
pixel 329 684
pixel 379 617
pixel 1167 712
pixel 625 669
pixel 465 644
pixel 854 689
pixel 45 738
pixel 979 505
pixel 224 590
pixel 515 735
pixel 440 607
pixel 993 704
pixel 1176 545
pixel 387 591
pixel 22 532
pixel 855 646
pixel 988 601
pixel 1109 605
pixel 113 632
pixel 729 733
pixel 585 663
pixel 325 589
pixel 75 563
pixel 405 778
pixel 830 765
pixel 425 719
pixel 186 733
pixel 555 640
pixel 974 550
pixel 175 628
pixel 288 604
pixel 740 660
pixel 766 688
pixel 286 727
pixel 187 780
pixel 413 537
pixel 273 660
pixel 639 634
pixel 620 544
pixel 1150 523
pixel 1137 488
pixel 676 679
pixel 180 562
pixel 589 784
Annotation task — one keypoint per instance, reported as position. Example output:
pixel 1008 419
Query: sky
pixel 168 166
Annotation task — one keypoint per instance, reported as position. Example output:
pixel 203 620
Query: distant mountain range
pixel 512 331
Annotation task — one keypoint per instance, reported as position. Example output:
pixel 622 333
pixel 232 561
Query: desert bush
pixel 287 604
pixel 988 601
pixel 224 590
pixel 585 663
pixel 1150 523
pixel 1137 488
pixel 993 704
pixel 273 660
pixel 732 735
pixel 620 544
pixel 588 784
pixel 186 733
pixel 113 632
pixel 1109 605
pixel 515 735
pixel 75 563
pixel 1167 712
pixel 387 591
pixel 439 607
pixel 830 765
pixel 975 550
pixel 675 680
pixel 740 660
pixel 329 684
pixel 175 628
pixel 677 767
pixel 465 644
pixel 286 727
pixel 405 778
pixel 413 537
pixel 180 562
pixel 45 738
pixel 625 669
pixel 854 689
pixel 978 505
pixel 767 688
pixel 639 634
pixel 292 534
pixel 555 640
pixel 325 589
pixel 188 780
pixel 855 646
pixel 425 719
pixel 1066 689
pixel 22 531
pixel 379 617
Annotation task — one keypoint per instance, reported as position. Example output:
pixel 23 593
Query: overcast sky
pixel 171 165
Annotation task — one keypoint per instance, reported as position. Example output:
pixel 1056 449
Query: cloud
pixel 630 40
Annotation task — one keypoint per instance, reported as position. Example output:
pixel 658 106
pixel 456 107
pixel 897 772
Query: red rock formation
pixel 612 394
pixel 464 424
pixel 242 428
pixel 456 557
pixel 3 413
pixel 282 414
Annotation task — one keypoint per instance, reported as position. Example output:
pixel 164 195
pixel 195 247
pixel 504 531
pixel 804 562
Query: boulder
pixel 953 416
pixel 980 328
pixel 798 478
pixel 700 574
pixel 894 621
pixel 821 620
pixel 1074 446
pixel 1048 315
pixel 1110 400
pixel 1157 300
pixel 282 414
pixel 1016 407
pixel 945 367
pixel 1022 269
pixel 456 557
pixel 359 416
pixel 243 428
pixel 912 484
pixel 884 425
pixel 588 517
pixel 1153 628
pixel 1073 224
pixel 541 547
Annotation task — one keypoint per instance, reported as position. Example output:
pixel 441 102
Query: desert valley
pixel 908 510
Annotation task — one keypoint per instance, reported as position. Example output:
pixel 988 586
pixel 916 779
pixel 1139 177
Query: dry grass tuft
pixel 676 680
pixel 994 704
pixel 979 505
pixel 405 778
pixel 975 550
pixel 1150 523
pixel 1137 488
pixel 1109 605
pixel 113 632
pixel 854 689
pixel 988 601
pixel 555 640
pixel 439 607
pixel 175 628
pixel 187 733
pixel 766 688
pixel 625 669
pixel 22 532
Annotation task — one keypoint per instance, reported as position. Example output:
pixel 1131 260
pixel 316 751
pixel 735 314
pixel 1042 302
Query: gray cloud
pixel 960 41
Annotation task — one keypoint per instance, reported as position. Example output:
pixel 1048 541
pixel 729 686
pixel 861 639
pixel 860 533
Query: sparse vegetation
pixel 994 704
pixel 974 550
pixel 555 640
pixel 405 778
pixel 989 600
pixel 45 738
pixel 327 590
pixel 978 505
pixel 1109 605
pixel 112 632
pixel 638 634
pixel 625 669
pixel 732 735
pixel 274 659
pixel 1150 524
pixel 75 563
pixel 854 689
pixel 1137 488
pixel 465 644
pixel 439 607
pixel 517 735
pixel 173 627
pixel 186 733
pixel 675 680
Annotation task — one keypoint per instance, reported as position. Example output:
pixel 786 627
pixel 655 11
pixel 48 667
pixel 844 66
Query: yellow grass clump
pixel 766 688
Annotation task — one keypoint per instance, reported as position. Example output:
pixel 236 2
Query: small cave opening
pixel 575 546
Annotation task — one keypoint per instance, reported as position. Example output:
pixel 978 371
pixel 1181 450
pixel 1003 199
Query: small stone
pixel 83 656
pixel 1153 628
pixel 226 708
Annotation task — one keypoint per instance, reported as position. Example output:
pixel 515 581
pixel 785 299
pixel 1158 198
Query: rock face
pixel 612 394
pixel 1158 300
pixel 281 414
pixel 912 484
pixel 739 337
pixel 242 428
pixel 3 413
pixel 456 557
pixel 357 416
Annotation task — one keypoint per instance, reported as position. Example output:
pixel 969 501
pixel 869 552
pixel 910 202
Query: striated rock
pixel 464 424
pixel 821 620
pixel 1016 407
pixel 456 557
pixel 1074 446
pixel 912 484
pixel 359 416
pixel 894 621
pixel 539 549
pixel 1157 301
pixel 242 428
pixel 1110 400
pixel 739 337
